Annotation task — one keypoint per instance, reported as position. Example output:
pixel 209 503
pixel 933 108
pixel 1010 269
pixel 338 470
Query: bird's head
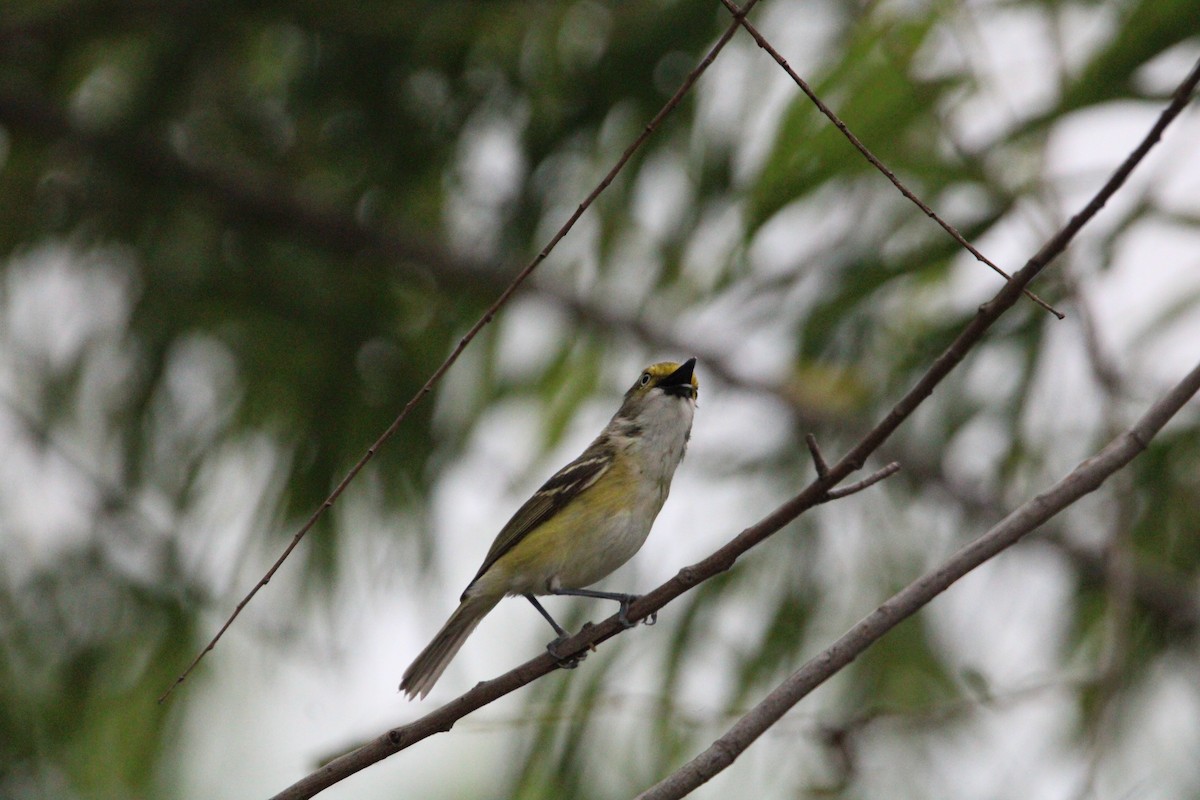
pixel 664 383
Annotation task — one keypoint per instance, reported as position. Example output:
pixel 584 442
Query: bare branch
pixel 819 462
pixel 1084 479
pixel 867 154
pixel 875 477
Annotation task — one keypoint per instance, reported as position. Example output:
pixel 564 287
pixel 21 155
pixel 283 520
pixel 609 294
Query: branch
pixel 872 479
pixel 822 468
pixel 819 462
pixel 1084 479
pixel 867 154
pixel 442 719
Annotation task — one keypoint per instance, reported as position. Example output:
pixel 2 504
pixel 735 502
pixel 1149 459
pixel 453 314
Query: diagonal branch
pixel 819 462
pixel 1084 479
pixel 442 719
pixel 866 483
pixel 867 154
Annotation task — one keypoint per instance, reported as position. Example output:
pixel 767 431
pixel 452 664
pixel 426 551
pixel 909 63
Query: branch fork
pixel 822 467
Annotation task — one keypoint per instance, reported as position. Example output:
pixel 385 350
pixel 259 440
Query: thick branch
pixel 1084 479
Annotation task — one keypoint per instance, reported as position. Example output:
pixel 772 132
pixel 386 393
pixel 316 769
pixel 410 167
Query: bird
pixel 587 520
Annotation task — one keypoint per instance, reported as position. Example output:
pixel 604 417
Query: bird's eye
pixel 645 378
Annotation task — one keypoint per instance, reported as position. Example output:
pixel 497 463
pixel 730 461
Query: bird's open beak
pixel 679 382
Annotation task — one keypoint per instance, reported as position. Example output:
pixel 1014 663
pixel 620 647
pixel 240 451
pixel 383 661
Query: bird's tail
pixel 423 673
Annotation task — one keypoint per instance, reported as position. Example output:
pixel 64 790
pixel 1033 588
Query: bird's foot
pixel 564 662
pixel 626 601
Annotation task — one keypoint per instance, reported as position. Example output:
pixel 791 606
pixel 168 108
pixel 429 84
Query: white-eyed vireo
pixel 586 521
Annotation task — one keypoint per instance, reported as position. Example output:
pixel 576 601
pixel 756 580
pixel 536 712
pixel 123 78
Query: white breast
pixel 653 455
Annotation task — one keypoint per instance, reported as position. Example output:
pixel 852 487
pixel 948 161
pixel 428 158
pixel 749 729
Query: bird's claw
pixel 624 619
pixel 564 662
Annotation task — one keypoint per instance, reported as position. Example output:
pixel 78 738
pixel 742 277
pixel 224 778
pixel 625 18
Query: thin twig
pixel 819 462
pixel 443 718
pixel 1084 479
pixel 483 320
pixel 875 477
pixel 875 162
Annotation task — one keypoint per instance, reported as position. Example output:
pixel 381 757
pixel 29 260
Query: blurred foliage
pixel 272 221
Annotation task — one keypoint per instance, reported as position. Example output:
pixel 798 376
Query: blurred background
pixel 237 237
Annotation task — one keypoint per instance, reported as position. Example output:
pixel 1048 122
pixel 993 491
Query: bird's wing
pixel 563 486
